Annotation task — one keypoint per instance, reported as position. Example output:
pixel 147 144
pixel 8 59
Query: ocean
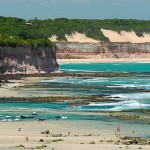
pixel 106 67
pixel 126 92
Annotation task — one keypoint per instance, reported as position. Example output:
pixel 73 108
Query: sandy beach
pixel 103 60
pixel 10 89
pixel 63 135
pixel 75 75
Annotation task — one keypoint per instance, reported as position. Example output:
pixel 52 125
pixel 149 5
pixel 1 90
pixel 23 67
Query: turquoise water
pixel 44 110
pixel 128 101
pixel 113 87
pixel 102 67
pixel 118 88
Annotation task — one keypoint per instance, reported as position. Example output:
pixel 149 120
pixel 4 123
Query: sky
pixel 82 9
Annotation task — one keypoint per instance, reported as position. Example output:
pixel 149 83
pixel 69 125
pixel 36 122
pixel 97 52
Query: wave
pixel 126 85
pixel 53 80
pixel 147 62
pixel 137 104
pixel 119 106
pixel 96 80
pixel 102 104
pixel 131 96
pixel 78 70
pixel 21 108
pixel 74 63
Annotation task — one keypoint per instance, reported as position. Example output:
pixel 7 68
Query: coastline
pixel 10 89
pixel 103 60
pixel 63 135
pixel 93 135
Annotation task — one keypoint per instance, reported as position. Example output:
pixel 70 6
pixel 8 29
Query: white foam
pixel 135 96
pixel 96 80
pixel 137 104
pixel 78 70
pixel 127 85
pixel 53 80
pixel 102 104
pixel 122 105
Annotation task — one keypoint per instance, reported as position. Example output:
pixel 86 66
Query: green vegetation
pixel 6 40
pixel 42 29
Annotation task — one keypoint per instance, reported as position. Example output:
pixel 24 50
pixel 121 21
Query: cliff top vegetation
pixel 9 41
pixel 36 29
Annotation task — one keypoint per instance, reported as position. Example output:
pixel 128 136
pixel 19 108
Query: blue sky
pixel 84 9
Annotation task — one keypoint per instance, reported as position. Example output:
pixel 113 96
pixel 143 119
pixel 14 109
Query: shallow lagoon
pixel 118 88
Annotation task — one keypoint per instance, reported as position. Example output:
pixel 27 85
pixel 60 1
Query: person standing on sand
pixel 133 131
pixel 68 133
pixel 118 128
pixel 26 139
pixel 117 132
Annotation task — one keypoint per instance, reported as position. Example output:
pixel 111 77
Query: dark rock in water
pixel 58 117
pixel 27 116
pixel 42 119
pixel 26 60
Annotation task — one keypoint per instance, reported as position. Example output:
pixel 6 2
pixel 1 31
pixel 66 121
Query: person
pixel 133 131
pixel 19 129
pixel 117 132
pixel 118 128
pixel 68 133
pixel 26 139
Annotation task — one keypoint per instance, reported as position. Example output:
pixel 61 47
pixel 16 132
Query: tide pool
pixel 126 93
pixel 133 92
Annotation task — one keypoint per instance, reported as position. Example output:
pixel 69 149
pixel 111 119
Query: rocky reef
pixel 76 50
pixel 27 60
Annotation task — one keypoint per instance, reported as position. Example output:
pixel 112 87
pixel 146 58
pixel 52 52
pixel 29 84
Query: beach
pixel 85 128
pixel 74 75
pixel 63 135
pixel 103 60
pixel 10 89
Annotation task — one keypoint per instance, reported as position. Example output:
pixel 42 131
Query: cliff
pixel 26 60
pixel 72 50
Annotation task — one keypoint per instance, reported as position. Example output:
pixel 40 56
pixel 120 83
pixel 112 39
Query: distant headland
pixel 34 46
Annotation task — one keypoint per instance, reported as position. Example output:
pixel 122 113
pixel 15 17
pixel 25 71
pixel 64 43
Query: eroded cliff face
pixel 27 61
pixel 72 50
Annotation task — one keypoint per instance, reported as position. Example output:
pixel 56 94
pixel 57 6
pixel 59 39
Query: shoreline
pixel 104 60
pixel 16 85
pixel 68 134
pixel 64 135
